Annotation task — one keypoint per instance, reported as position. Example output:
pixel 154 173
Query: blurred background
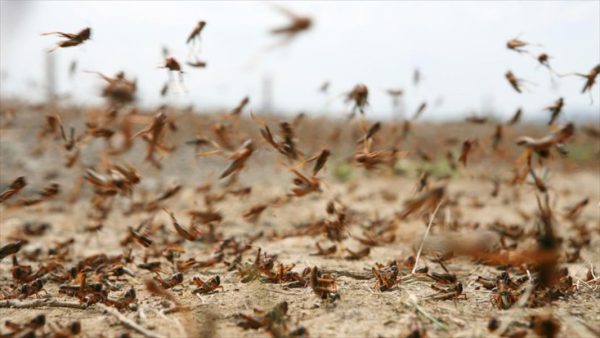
pixel 459 49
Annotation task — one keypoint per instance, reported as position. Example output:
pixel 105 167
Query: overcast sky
pixel 458 46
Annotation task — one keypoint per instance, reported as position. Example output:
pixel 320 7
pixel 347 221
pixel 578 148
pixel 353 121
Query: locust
pixel 48 192
pixel 544 326
pixel 476 119
pixel 200 141
pixel 320 161
pixel 27 329
pixel 513 81
pixel 590 78
pixel 515 118
pixel 172 281
pixel 89 293
pixel 196 64
pixel 274 321
pixel 207 287
pixel 238 159
pixel 357 255
pixel 72 39
pixel 395 95
pixel 324 286
pixel 325 251
pixel 164 90
pixel 544 60
pixel 454 291
pixel 298 24
pixel 304 185
pixel 195 34
pixel 172 65
pixel 285 146
pixel 29 289
pixel 542 146
pixel 574 211
pixel 451 160
pixel 497 137
pixel 466 149
pixel 386 276
pixel 252 214
pixel 221 131
pixel 118 89
pixel 156 289
pixel 205 217
pixel 419 110
pixel 555 109
pixel 119 179
pixel 190 235
pixel 370 159
pixel 517 45
pixel 11 249
pixel 359 96
pixel 141 239
pixel 35 228
pixel 14 188
pixel 154 135
pixel 425 201
pixel 504 297
pixel 238 109
pixel 167 194
pixel 370 132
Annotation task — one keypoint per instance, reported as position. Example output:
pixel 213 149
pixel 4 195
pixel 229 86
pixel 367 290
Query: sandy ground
pixel 362 310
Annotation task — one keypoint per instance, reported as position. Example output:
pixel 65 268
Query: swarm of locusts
pixel 311 242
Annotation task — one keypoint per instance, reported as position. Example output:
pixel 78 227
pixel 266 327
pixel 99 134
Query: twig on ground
pixel 180 327
pixel 425 236
pixel 127 322
pixel 350 274
pixel 175 309
pixel 419 309
pixel 283 292
pixel 522 302
pixel 41 303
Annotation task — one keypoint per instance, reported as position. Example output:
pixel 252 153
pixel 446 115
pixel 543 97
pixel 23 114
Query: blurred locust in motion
pixel 555 109
pixel 154 134
pixel 172 65
pixel 590 80
pixel 13 189
pixel 194 40
pixel 359 95
pixel 195 34
pixel 72 39
pixel 297 25
pixel 515 82
pixel 518 45
pixel 542 146
pixel 118 89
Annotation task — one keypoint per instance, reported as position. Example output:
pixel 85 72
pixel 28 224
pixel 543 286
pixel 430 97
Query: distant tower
pixel 487 105
pixel 267 94
pixel 399 108
pixel 50 77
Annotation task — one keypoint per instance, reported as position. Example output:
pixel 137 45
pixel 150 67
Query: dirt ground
pixel 362 310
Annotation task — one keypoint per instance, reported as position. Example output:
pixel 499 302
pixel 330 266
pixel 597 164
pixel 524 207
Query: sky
pixel 459 48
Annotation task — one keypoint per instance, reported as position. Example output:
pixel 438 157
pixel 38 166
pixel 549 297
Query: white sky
pixel 459 48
